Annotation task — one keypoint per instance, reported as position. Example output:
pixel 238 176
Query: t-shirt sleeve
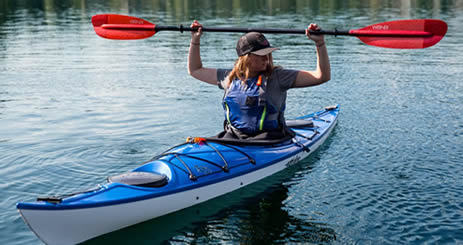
pixel 221 75
pixel 286 77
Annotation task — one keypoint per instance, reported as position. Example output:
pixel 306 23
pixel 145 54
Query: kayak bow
pixel 183 176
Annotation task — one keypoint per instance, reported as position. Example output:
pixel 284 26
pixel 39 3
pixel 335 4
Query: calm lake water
pixel 76 108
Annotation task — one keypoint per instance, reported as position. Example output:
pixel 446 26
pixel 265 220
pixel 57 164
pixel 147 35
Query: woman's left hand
pixel 318 39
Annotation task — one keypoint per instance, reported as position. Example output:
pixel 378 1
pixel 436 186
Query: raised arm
pixel 323 72
pixel 195 66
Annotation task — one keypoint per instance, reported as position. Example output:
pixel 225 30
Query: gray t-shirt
pixel 278 83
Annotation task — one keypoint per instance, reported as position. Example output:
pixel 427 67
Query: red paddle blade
pixel 403 34
pixel 122 27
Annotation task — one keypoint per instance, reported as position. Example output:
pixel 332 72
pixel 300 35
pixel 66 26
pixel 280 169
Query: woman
pixel 255 89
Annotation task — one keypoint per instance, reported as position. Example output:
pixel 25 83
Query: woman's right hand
pixel 196 35
pixel 195 66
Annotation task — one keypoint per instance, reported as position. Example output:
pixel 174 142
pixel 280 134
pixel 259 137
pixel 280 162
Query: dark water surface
pixel 76 108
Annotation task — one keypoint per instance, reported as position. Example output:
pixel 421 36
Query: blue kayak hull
pixel 187 175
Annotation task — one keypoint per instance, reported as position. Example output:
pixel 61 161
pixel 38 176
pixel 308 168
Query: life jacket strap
pixel 227 109
pixel 262 118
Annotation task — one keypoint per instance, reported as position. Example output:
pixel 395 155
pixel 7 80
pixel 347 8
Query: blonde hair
pixel 241 69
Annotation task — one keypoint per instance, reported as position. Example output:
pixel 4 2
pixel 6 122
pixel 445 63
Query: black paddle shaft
pixel 182 28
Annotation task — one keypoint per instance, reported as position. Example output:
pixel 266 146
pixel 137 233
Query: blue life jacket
pixel 246 107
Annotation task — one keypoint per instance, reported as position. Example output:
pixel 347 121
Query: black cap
pixel 255 43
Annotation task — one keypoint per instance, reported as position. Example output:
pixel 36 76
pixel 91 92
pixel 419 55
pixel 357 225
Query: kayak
pixel 184 175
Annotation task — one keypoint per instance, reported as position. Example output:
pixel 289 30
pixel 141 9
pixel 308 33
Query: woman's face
pixel 258 63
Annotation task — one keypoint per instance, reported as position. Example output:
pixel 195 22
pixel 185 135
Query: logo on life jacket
pixel 246 107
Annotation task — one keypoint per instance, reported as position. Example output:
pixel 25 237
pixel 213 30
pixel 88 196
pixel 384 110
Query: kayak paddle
pixel 401 34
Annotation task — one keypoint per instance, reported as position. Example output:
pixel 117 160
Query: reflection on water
pixel 76 108
pixel 186 10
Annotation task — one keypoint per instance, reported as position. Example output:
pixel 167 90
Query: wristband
pixel 193 43
pixel 320 45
